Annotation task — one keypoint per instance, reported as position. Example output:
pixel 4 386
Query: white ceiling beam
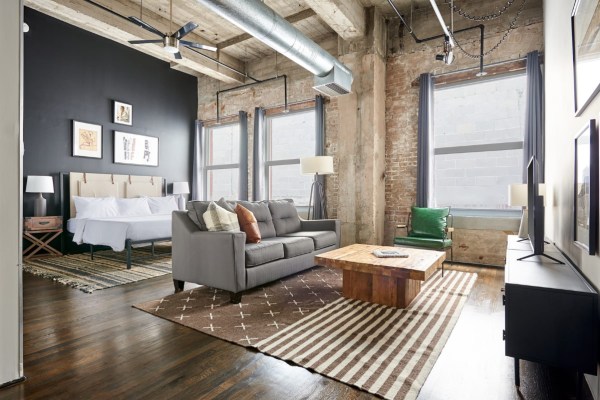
pixel 346 17
pixel 89 17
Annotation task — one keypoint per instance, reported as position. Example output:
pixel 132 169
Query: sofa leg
pixel 178 285
pixel 235 298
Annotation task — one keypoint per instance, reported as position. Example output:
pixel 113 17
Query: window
pixel 478 136
pixel 222 161
pixel 289 137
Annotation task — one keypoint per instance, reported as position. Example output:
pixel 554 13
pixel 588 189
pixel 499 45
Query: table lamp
pixel 318 165
pixel 39 185
pixel 179 189
pixel 517 197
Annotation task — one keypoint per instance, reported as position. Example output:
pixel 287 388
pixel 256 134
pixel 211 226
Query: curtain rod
pixel 270 107
pixel 487 65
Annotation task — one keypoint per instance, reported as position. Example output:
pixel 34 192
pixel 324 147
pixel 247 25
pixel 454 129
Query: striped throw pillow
pixel 217 219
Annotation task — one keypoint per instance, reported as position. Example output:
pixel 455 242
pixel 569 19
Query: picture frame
pixel 585 206
pixel 134 149
pixel 87 140
pixel 585 20
pixel 122 113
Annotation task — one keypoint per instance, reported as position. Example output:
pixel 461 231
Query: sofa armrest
pixel 323 225
pixel 214 259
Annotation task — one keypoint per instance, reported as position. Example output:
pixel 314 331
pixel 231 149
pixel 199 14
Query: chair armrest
pixel 323 225
pixel 214 259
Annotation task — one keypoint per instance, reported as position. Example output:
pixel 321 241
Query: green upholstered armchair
pixel 428 228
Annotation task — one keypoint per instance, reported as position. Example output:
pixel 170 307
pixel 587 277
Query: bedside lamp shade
pixel 322 165
pixel 39 185
pixel 179 189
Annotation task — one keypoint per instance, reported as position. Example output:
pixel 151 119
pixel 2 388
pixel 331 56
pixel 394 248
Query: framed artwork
pixel 585 36
pixel 122 113
pixel 87 140
pixel 131 148
pixel 586 188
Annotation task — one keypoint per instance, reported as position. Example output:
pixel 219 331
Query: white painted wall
pixel 11 18
pixel 561 127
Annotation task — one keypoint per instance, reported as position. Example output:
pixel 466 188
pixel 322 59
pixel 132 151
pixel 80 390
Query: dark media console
pixel 551 314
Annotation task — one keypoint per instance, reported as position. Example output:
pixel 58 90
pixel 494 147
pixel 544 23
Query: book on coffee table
pixel 389 253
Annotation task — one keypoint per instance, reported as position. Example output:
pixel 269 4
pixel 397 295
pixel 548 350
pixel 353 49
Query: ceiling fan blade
pixel 184 30
pixel 145 41
pixel 146 26
pixel 197 45
pixel 178 56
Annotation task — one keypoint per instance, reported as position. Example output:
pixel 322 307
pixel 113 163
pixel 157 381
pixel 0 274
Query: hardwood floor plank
pixel 96 346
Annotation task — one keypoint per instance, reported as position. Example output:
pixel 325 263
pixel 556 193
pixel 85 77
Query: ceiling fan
pixel 170 41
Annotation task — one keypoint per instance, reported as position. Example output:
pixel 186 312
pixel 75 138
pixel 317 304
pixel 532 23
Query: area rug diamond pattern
pixel 304 320
pixel 107 269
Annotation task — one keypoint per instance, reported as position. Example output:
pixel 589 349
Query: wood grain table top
pixel 419 265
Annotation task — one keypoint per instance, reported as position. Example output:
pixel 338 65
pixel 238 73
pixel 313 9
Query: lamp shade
pixel 322 165
pixel 181 188
pixel 39 184
pixel 517 194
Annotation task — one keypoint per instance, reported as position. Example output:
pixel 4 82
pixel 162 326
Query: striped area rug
pixel 382 350
pixel 108 269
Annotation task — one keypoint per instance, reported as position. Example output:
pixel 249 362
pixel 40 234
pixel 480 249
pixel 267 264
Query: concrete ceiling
pixel 314 18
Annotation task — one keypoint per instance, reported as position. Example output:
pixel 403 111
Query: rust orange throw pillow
pixel 248 224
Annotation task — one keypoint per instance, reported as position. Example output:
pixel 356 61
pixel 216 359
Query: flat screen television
pixel 535 207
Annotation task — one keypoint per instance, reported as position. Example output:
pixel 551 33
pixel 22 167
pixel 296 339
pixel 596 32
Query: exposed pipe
pixel 285 92
pixel 266 25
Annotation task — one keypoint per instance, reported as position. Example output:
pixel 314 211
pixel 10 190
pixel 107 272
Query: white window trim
pixel 213 167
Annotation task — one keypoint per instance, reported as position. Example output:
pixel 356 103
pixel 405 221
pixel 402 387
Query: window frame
pixel 267 162
pixel 474 148
pixel 213 167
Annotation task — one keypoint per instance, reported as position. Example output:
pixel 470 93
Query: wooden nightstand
pixel 40 232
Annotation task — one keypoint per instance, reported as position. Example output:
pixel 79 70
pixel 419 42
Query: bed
pixel 119 232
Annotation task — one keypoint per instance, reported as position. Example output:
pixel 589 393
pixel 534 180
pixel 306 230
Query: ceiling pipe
pixel 260 21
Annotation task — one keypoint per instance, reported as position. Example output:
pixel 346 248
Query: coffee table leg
pixel 389 291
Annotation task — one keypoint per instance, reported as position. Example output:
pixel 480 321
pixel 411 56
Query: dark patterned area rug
pixel 107 269
pixel 303 319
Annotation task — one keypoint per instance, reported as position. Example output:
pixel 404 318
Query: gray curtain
pixel 533 142
pixel 243 190
pixel 424 134
pixel 319 212
pixel 197 162
pixel 257 167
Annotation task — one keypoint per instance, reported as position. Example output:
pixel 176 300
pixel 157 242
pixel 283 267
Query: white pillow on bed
pixel 95 207
pixel 136 207
pixel 162 205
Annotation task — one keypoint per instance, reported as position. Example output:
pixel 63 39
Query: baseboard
pixel 16 381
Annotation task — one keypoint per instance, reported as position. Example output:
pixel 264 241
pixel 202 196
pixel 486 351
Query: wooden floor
pixel 96 346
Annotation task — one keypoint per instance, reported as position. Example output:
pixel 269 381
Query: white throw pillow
pixel 162 205
pixel 95 207
pixel 137 207
pixel 219 219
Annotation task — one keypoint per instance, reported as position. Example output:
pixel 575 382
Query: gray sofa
pixel 224 261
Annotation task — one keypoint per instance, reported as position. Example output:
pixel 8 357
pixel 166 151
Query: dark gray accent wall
pixel 73 74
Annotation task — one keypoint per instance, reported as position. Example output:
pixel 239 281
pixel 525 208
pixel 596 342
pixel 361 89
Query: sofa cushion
pixel 227 205
pixel 248 224
pixel 285 216
pixel 263 217
pixel 218 219
pixel 321 239
pixel 263 252
pixel 196 210
pixel 294 246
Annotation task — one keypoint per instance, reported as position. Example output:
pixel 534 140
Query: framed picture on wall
pixel 122 113
pixel 585 36
pixel 586 188
pixel 131 148
pixel 87 140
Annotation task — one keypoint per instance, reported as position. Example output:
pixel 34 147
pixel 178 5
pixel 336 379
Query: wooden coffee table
pixel 389 281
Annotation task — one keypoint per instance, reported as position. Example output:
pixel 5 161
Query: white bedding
pixel 113 231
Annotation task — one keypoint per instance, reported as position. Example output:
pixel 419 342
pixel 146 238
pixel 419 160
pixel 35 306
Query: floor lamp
pixel 318 165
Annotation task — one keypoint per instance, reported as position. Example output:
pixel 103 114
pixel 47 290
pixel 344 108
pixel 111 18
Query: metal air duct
pixel 332 77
